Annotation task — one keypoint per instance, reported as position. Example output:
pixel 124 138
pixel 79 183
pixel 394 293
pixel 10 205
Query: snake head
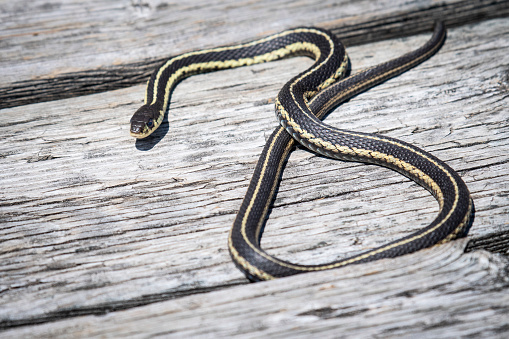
pixel 145 121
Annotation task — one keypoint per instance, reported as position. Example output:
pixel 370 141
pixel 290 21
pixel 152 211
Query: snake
pixel 301 105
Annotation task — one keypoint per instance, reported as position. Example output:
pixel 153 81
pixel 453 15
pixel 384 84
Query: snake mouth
pixel 138 130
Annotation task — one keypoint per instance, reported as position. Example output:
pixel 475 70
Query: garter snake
pixel 300 106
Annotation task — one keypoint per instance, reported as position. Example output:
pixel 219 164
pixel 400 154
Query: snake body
pixel 300 106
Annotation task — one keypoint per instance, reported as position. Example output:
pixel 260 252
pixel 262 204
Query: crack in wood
pixel 75 84
pixel 497 242
pixel 102 309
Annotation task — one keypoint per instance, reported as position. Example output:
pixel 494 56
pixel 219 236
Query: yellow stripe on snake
pixel 300 106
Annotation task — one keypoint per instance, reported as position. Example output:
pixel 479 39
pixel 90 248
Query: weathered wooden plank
pixel 436 293
pixel 124 41
pixel 494 242
pixel 93 222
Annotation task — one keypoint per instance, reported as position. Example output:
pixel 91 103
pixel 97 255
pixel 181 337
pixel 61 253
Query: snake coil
pixel 300 106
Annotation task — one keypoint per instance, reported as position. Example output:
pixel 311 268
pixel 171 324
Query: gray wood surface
pixel 104 236
pixel 445 293
pixel 54 50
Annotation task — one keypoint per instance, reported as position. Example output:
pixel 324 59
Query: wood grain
pixel 431 296
pixel 94 225
pixel 57 66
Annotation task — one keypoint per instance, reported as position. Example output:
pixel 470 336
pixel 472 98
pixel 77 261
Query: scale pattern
pixel 300 106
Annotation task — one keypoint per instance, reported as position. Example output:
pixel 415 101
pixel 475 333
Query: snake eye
pixel 150 123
